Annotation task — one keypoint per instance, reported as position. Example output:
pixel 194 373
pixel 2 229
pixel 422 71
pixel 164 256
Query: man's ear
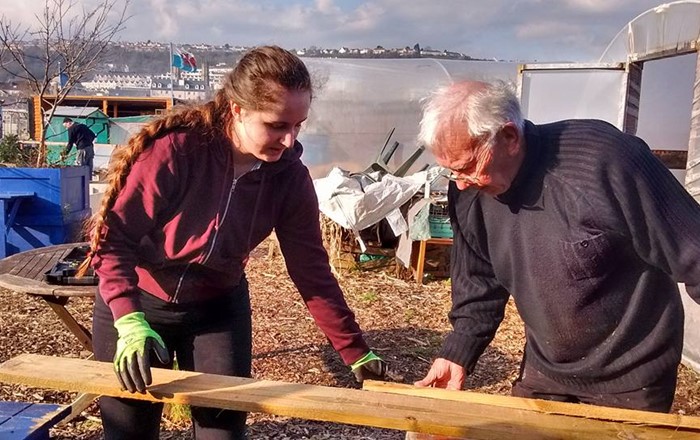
pixel 511 136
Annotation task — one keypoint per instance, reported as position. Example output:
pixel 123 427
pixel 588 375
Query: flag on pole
pixel 63 79
pixel 184 61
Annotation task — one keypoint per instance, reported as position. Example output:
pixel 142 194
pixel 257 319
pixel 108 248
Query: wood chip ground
pixel 404 322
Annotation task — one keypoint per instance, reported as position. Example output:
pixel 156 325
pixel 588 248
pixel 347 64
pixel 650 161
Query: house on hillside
pixel 110 81
pixel 185 90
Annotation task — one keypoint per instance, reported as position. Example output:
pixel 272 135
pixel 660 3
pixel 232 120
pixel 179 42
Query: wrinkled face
pixel 473 165
pixel 266 134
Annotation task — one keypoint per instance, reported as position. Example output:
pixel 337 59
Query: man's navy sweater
pixel 590 241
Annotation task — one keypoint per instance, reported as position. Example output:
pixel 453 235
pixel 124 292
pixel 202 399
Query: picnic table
pixel 24 273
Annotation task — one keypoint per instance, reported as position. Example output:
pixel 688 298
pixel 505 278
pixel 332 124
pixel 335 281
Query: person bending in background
pixel 585 228
pixel 82 137
pixel 189 197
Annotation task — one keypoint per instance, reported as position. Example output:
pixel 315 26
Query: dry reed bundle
pixel 334 236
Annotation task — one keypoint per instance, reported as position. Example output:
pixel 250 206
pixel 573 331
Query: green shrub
pixel 9 149
pixel 12 152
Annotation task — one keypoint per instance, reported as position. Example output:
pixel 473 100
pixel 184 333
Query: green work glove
pixel 369 366
pixel 132 361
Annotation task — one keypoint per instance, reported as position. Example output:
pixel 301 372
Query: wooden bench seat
pixel 29 421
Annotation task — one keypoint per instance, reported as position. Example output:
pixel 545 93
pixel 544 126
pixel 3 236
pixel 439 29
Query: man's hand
pixel 132 362
pixel 443 374
pixel 369 366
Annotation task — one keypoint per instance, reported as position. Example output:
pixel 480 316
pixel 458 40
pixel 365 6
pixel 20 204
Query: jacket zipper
pixel 221 220
pixel 213 241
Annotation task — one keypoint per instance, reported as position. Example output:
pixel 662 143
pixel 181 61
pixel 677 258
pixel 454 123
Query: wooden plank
pixel 33 263
pixel 421 436
pixel 19 284
pixel 376 264
pixel 371 250
pixel 30 263
pixel 546 406
pixel 43 263
pixel 18 267
pixel 58 305
pixel 77 406
pixel 673 159
pixel 357 407
pixel 32 287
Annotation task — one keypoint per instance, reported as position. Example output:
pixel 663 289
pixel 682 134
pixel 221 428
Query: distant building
pixel 183 89
pixel 217 75
pixel 15 121
pixel 110 81
pixel 431 53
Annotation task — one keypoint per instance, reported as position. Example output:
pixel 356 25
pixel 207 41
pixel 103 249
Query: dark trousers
pixel 210 337
pixel 657 396
pixel 86 157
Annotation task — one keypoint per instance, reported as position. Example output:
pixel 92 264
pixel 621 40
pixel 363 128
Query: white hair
pixel 482 107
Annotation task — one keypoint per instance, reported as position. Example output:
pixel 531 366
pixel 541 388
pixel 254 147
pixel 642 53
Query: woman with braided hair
pixel 189 197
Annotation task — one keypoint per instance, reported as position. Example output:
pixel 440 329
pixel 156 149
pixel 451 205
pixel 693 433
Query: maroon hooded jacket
pixel 182 228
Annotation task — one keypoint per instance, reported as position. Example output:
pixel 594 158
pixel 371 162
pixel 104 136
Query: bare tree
pixel 67 42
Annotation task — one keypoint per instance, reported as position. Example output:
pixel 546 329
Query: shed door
pixel 554 92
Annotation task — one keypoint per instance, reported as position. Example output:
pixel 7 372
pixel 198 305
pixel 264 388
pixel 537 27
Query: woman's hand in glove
pixel 132 362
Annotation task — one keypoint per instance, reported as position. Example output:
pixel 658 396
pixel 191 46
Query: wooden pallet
pixel 508 417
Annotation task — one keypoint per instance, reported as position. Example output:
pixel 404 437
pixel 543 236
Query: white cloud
pixel 163 15
pixel 546 29
pixel 327 7
pixel 596 6
pixel 511 29
pixel 19 12
pixel 366 17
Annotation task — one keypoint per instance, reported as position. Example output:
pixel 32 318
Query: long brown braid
pixel 253 84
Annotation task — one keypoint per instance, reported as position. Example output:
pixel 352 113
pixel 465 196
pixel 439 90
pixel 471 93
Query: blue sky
pixel 523 30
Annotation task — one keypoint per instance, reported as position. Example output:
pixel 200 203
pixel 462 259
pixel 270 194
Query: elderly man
pixel 587 231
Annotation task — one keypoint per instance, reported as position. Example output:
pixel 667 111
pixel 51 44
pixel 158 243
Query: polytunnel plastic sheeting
pixel 670 27
pixel 691 345
pixel 358 101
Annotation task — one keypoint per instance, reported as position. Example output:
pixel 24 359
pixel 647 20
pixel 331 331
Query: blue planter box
pixel 55 214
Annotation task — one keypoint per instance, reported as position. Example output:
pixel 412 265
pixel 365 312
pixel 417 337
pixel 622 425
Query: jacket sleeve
pixel 478 299
pixel 299 235
pixel 71 140
pixel 138 210
pixel 662 218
